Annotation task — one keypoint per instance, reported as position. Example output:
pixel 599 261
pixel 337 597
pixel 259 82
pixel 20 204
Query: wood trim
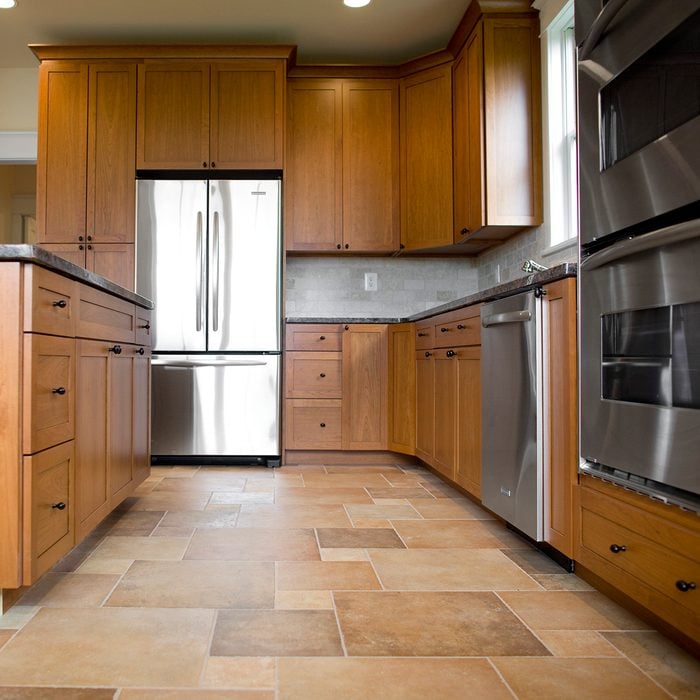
pixel 347 458
pixel 132 52
pixel 402 388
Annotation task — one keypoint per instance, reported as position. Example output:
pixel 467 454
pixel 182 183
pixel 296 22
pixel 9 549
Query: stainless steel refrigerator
pixel 209 256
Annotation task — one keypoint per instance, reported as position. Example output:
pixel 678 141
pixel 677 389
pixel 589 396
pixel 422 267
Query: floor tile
pixel 344 554
pixel 104 566
pixel 326 575
pixel 332 495
pixel 534 561
pixel 567 610
pixel 201 584
pixel 408 481
pixel 201 483
pixel 347 478
pixel 19 693
pixel 195 694
pixel 371 523
pixel 276 633
pixel 375 512
pixel 185 500
pixel 116 640
pixel 296 516
pixel 449 570
pixel 389 679
pixel 586 679
pixel 562 582
pixel 303 600
pixel 141 521
pixel 185 532
pixel 358 537
pixel 398 492
pixel 386 470
pixel 245 672
pixel 17 617
pixel 439 624
pixel 156 548
pixel 449 509
pixel 462 534
pixel 5 635
pixel 574 643
pixel 201 518
pixel 174 472
pixel 70 590
pixel 229 497
pixel 671 667
pixel 254 544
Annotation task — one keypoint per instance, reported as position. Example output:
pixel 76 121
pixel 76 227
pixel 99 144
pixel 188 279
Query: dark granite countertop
pixel 500 290
pixel 38 256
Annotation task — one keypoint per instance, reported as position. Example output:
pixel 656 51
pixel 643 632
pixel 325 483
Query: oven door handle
pixel 655 239
pixel 600 24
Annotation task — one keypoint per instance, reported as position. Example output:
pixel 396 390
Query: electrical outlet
pixel 370 281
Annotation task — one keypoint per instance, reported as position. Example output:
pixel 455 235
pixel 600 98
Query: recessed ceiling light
pixel 7 4
pixel 356 3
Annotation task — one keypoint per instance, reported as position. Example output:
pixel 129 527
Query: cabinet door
pixel 111 156
pixel 173 116
pixel 142 414
pixel 92 414
pixel 121 424
pixel 72 252
pixel 468 463
pixel 402 388
pixel 370 165
pixel 61 154
pixel 445 412
pixel 364 403
pixel 247 114
pixel 425 405
pixel 426 159
pixel 115 261
pixel 314 166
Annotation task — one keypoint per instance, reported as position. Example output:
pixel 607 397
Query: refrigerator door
pixel 244 265
pixel 171 260
pixel 216 405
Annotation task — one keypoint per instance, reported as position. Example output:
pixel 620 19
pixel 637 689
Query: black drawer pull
pixel 80 238
pixel 146 326
pixel 338 246
pixel 428 354
pixel 323 375
pixel 323 337
pixel 347 328
pixel 347 245
pixel 323 425
pixel 685 586
pixel 464 231
pixel 213 164
pixel 450 353
pixel 59 390
pixel 422 335
pixel 444 330
pixel 617 548
pixel 59 506
pixel 89 238
pixel 460 327
pixel 61 303
pixel 140 351
pixel 116 349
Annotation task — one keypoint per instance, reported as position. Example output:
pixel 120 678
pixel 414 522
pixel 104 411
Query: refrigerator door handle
pixel 507 317
pixel 189 364
pixel 215 262
pixel 200 267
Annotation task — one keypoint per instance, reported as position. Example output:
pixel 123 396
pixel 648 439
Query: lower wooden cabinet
pixel 402 388
pixel 468 439
pixel 425 405
pixel 314 424
pixel 445 412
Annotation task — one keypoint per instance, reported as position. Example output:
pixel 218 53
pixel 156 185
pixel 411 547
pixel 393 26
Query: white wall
pixel 19 99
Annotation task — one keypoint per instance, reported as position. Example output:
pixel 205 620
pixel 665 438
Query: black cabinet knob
pixel 213 164
pixel 80 238
pixel 422 335
pixel 59 506
pixel 59 390
pixel 146 326
pixel 140 351
pixel 116 349
pixel 89 247
pixel 617 548
pixel 89 238
pixel 444 330
pixel 347 245
pixel 61 303
pixel 204 164
pixel 460 327
pixel 323 375
pixel 323 425
pixel 339 246
pixel 428 354
pixel 685 586
pixel 80 247
pixel 450 353
pixel 347 328
pixel 323 337
pixel 464 231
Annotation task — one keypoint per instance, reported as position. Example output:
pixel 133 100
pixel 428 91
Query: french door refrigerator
pixel 209 256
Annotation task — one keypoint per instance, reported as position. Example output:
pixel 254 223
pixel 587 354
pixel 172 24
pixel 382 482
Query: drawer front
pixel 50 304
pixel 104 317
pixel 321 336
pixel 461 327
pixel 48 517
pixel 648 561
pixel 313 375
pixel 313 424
pixel 143 330
pixel 49 391
pixel 424 336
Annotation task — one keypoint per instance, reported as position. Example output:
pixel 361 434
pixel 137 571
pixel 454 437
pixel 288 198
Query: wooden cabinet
pixel 426 159
pixel 497 131
pixel 342 169
pixel 221 115
pixel 402 388
pixel 468 449
pixel 336 400
pixel 445 418
pixel 645 549
pixel 86 164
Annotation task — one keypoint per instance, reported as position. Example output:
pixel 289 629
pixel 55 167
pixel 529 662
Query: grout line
pixel 207 653
pixel 489 660
pixel 340 629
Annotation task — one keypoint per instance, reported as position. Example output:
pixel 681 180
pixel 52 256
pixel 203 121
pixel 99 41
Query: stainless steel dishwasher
pixel 512 410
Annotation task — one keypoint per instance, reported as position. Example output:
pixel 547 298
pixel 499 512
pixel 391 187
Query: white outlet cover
pixel 370 281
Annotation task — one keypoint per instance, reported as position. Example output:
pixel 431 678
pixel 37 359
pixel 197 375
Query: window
pixel 559 54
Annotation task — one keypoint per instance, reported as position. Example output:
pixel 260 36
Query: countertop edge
pixel 37 255
pixel 505 289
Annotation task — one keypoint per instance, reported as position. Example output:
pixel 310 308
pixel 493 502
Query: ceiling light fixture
pixel 7 4
pixel 356 3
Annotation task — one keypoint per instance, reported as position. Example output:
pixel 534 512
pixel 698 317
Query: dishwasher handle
pixel 507 317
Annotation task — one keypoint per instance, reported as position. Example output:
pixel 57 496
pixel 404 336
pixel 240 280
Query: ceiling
pixel 385 32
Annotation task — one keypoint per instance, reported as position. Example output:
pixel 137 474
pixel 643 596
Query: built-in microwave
pixel 639 113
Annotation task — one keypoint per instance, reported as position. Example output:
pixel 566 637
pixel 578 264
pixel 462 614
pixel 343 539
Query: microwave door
pixel 171 260
pixel 244 263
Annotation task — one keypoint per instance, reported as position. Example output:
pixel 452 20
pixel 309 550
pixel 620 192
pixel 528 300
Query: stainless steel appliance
pixel 639 113
pixel 512 356
pixel 640 363
pixel 209 256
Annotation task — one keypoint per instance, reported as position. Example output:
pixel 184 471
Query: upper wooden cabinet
pixel 342 168
pixel 497 131
pixel 426 159
pixel 85 163
pixel 223 115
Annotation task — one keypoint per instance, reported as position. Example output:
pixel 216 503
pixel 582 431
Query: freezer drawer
pixel 216 405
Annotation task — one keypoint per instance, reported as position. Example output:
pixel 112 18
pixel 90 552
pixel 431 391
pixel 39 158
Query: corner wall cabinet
pixel 74 414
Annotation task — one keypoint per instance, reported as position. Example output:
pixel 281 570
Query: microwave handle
pixel 600 24
pixel 655 239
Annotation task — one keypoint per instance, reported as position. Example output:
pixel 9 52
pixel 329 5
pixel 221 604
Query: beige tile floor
pixel 307 583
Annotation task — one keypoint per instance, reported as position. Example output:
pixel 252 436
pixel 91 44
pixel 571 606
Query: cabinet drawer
pixel 143 330
pixel 313 375
pixel 105 317
pixel 325 337
pixel 50 302
pixel 313 424
pixel 48 516
pixel 49 391
pixel 424 336
pixel 462 327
